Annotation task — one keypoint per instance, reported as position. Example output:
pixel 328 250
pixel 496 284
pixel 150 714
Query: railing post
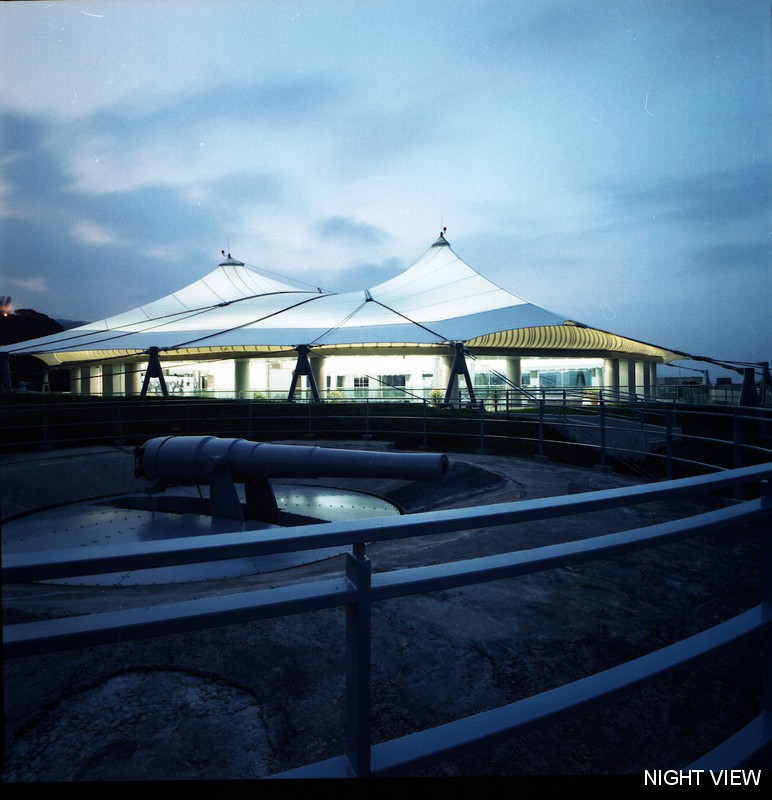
pixel 602 425
pixel 358 664
pixel 482 450
pixel 425 445
pixel 119 439
pixel 737 448
pixel 669 444
pixel 310 431
pixel 367 434
pixel 44 445
pixel 766 599
pixel 541 428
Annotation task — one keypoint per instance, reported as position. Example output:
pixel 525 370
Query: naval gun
pixel 196 460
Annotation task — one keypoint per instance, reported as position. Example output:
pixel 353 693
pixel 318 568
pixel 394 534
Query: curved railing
pixel 652 439
pixel 362 587
pixel 714 448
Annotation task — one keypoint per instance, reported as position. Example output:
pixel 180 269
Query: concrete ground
pixel 248 700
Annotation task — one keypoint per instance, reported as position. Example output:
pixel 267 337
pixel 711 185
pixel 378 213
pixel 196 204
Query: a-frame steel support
pixel 154 371
pixel 303 367
pixel 459 368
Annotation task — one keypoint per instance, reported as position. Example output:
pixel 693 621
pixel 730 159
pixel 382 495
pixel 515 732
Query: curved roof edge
pixel 437 300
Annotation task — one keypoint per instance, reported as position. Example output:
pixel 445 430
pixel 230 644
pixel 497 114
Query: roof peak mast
pixel 230 261
pixel 442 241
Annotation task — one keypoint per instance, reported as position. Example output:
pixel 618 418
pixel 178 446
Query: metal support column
pixel 748 395
pixel 303 367
pixel 154 371
pixel 459 368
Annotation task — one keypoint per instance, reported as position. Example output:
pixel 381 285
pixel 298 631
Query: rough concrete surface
pixel 248 700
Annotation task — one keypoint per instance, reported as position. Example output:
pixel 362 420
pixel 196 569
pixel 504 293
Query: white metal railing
pixel 360 588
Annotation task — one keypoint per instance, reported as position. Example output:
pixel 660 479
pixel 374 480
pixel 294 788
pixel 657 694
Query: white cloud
pixel 38 284
pixel 91 233
pixel 182 128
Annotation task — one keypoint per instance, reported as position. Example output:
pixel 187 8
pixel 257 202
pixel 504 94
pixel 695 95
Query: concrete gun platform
pixel 248 700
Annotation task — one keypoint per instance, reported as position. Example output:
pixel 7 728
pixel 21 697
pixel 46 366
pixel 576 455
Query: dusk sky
pixel 608 160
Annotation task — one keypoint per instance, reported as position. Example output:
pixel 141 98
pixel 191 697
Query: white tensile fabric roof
pixel 437 301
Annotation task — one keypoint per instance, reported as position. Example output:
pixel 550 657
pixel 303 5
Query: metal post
pixel 425 444
pixel 738 452
pixel 482 450
pixel 44 445
pixel 541 428
pixel 458 367
pixel 766 599
pixel 669 444
pixel 748 395
pixel 367 434
pixel 602 424
pixel 154 370
pixel 358 663
pixel 303 367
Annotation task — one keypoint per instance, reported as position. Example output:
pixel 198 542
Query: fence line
pixel 360 588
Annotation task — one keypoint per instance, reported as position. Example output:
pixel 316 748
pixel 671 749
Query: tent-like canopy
pixel 236 312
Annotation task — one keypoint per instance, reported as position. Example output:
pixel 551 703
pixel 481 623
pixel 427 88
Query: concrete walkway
pixel 626 439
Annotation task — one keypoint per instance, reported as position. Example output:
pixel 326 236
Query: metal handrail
pixel 111 420
pixel 360 588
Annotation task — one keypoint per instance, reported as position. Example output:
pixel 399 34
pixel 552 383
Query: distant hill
pixel 28 372
pixel 71 323
pixel 24 324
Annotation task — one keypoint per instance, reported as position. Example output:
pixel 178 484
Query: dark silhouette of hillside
pixel 27 371
pixel 24 324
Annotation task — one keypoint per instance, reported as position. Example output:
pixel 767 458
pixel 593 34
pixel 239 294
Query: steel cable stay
pixel 339 324
pixel 152 324
pixel 181 345
pixel 287 278
pixel 503 377
pixel 370 299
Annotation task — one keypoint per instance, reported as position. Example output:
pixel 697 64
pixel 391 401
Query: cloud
pixel 91 233
pixel 717 196
pixel 222 133
pixel 36 284
pixel 723 257
pixel 135 145
pixel 367 274
pixel 350 230
pixel 30 174
pixel 375 139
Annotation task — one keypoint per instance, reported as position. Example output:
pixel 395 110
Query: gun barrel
pixel 191 460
